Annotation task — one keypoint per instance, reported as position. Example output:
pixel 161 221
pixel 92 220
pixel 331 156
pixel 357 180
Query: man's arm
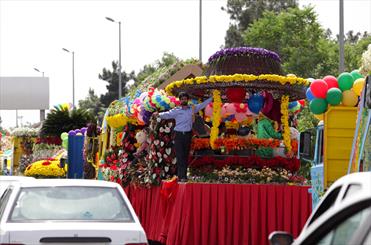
pixel 202 105
pixel 168 114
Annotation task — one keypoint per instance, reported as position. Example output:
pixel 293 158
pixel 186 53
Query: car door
pixel 340 227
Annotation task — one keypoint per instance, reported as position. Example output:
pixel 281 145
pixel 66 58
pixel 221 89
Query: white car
pixel 339 217
pixel 6 180
pixel 66 211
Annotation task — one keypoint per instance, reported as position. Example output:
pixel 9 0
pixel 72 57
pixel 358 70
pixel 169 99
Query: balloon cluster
pixel 63 107
pixel 141 108
pixel 330 90
pixel 76 132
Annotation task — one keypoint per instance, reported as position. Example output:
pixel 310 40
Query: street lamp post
pixel 119 68
pixel 39 71
pixel 73 75
pixel 42 112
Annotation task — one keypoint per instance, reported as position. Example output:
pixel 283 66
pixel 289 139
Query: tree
pixel 92 105
pixel 245 12
pixel 112 78
pixel 63 120
pixel 354 47
pixel 298 38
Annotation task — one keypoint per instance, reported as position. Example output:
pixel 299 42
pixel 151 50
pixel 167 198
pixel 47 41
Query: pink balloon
pixel 230 109
pixel 209 110
pixel 331 81
pixel 319 88
pixel 240 117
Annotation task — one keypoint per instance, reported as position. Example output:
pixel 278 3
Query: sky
pixel 33 33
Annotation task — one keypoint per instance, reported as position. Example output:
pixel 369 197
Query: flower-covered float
pixel 243 146
pixel 250 98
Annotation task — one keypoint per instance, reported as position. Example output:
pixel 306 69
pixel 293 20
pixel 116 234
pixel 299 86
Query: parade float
pixel 242 172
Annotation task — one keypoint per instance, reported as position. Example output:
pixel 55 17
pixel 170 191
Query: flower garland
pixel 285 122
pixel 216 117
pixel 283 80
pixel 120 120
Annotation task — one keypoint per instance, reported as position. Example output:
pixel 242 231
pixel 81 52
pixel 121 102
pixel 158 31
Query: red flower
pixel 46 163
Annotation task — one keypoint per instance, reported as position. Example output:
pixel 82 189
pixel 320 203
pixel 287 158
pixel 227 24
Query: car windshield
pixel 74 203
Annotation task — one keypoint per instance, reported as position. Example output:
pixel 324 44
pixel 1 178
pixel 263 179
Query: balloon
pixel 319 88
pixel 355 74
pixel 345 81
pixel 349 98
pixel 358 86
pixel 209 110
pixel 65 144
pixel 331 81
pixel 318 106
pixel 64 135
pixel 230 108
pixel 334 96
pixel 293 104
pixel 83 130
pixel 71 133
pixel 319 116
pixel 77 131
pixel 309 94
pixel 236 95
pixel 255 103
pixel 268 102
pixel 302 102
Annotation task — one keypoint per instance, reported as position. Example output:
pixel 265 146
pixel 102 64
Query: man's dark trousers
pixel 182 148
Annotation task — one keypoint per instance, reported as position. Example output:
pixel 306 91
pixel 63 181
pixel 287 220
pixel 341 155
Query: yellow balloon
pixel 358 86
pixel 319 116
pixel 349 98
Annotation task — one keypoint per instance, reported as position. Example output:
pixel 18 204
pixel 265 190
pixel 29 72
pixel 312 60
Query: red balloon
pixel 331 81
pixel 319 88
pixel 236 95
pixel 302 102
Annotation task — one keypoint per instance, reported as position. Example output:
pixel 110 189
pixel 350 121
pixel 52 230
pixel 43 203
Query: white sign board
pixel 24 93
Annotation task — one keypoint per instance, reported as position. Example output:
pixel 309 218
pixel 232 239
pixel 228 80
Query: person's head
pixel 184 98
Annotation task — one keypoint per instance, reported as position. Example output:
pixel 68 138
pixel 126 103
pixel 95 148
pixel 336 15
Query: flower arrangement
pixel 216 117
pixel 44 151
pixel 285 122
pixel 25 132
pixel 239 143
pixel 241 51
pixel 241 175
pixel 49 168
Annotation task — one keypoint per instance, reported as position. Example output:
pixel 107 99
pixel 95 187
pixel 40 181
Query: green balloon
pixel 318 106
pixel 64 135
pixel 65 144
pixel 334 96
pixel 355 74
pixel 345 81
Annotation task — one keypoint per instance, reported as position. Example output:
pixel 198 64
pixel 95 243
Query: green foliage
pixel 112 78
pixel 306 120
pixel 354 49
pixel 245 12
pixel 59 121
pixel 159 72
pixel 92 105
pixel 297 37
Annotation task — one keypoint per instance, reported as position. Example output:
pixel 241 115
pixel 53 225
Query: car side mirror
pixel 280 238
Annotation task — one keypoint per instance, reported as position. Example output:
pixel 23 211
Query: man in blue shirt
pixel 183 116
